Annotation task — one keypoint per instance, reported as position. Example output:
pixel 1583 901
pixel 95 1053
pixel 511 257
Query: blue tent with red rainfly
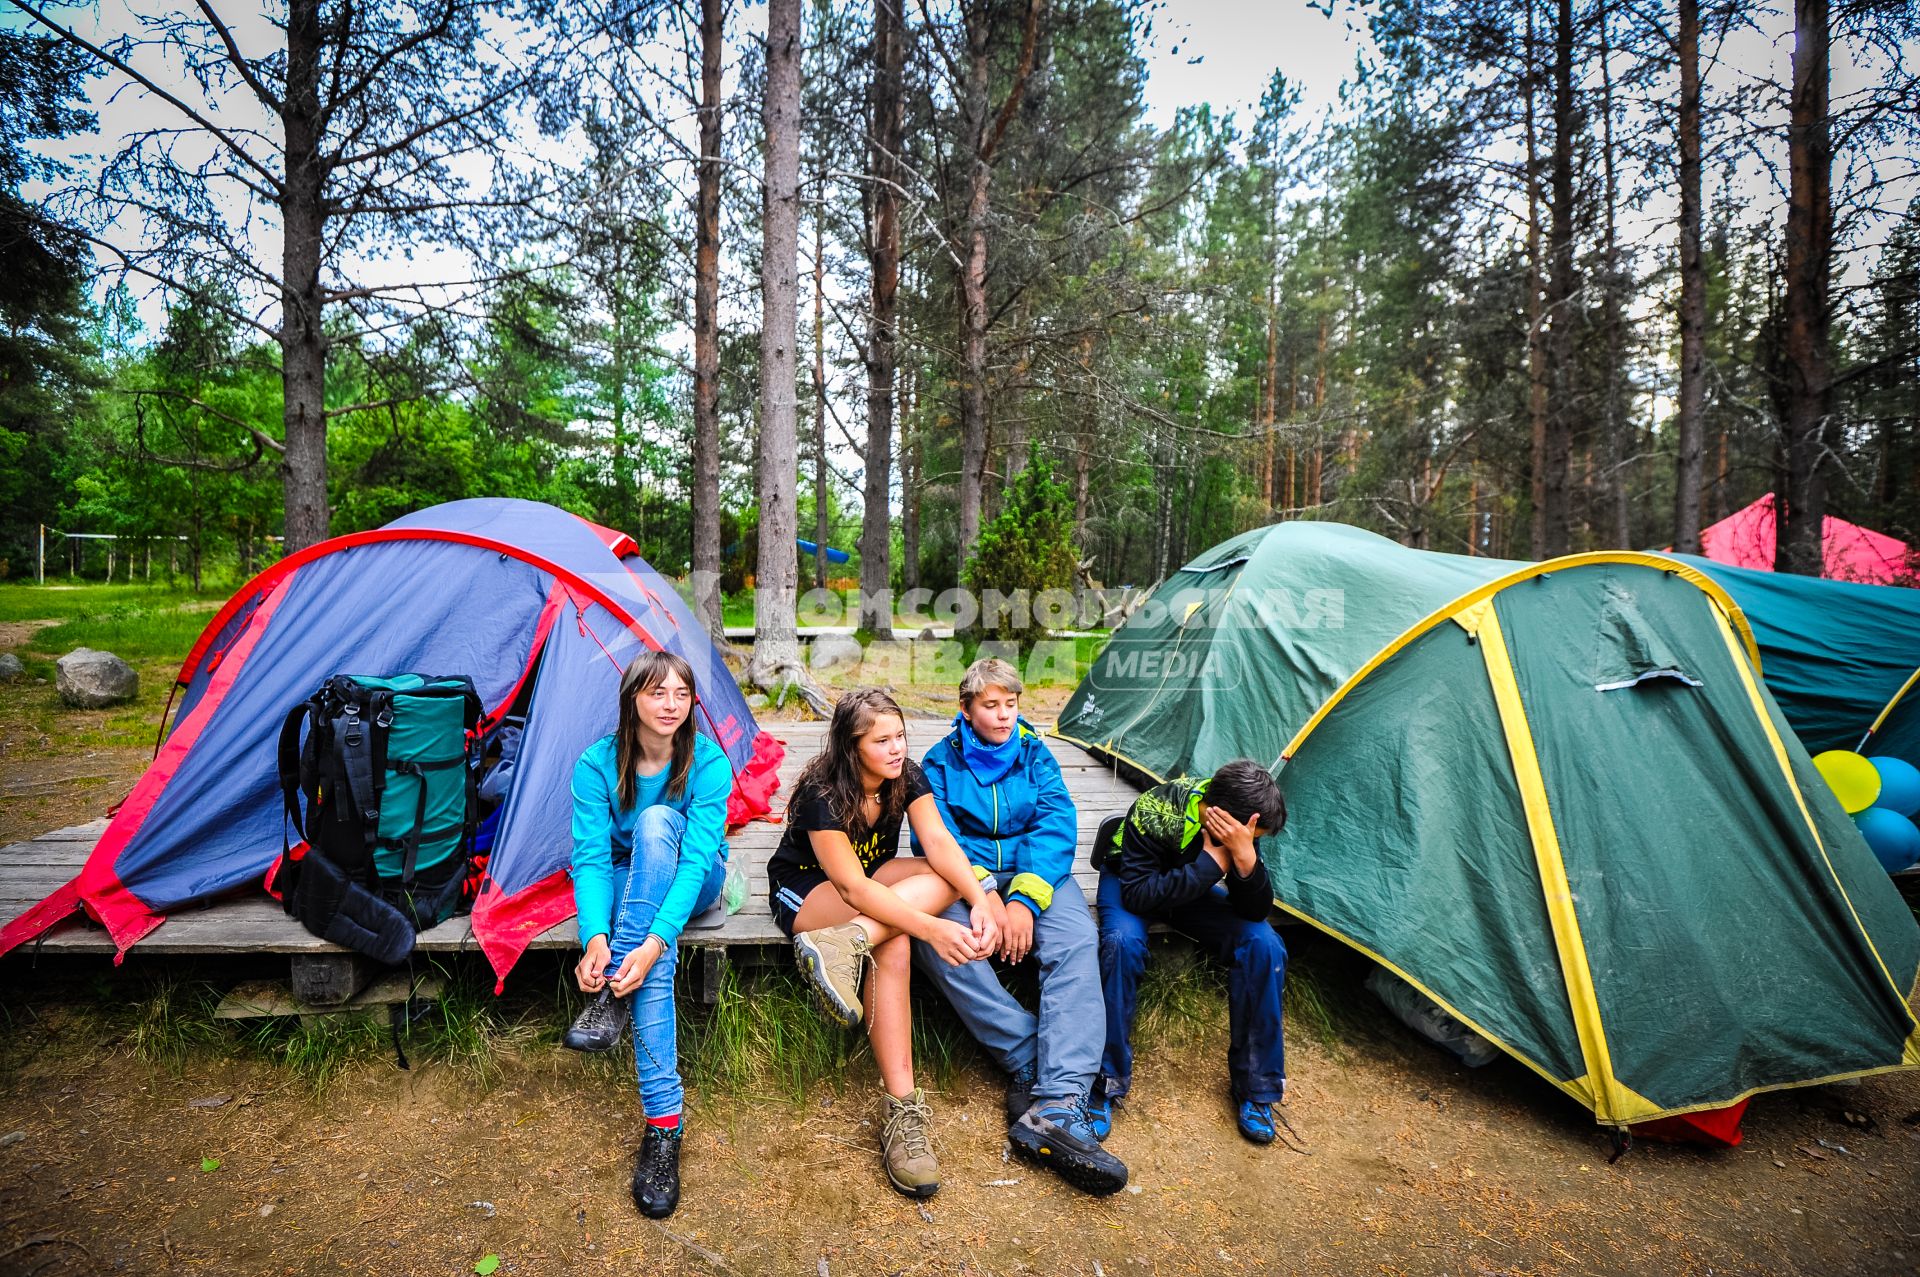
pixel 540 608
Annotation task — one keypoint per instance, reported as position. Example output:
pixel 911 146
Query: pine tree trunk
pixel 910 490
pixel 984 135
pixel 820 527
pixel 1082 474
pixel 1618 448
pixel 876 532
pixel 706 330
pixel 973 298
pixel 303 342
pixel 776 648
pixel 1691 410
pixel 1801 508
pixel 1561 287
pixel 1272 395
pixel 1536 318
pixel 617 351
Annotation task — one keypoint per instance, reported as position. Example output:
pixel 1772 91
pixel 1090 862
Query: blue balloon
pixel 1899 784
pixel 1895 839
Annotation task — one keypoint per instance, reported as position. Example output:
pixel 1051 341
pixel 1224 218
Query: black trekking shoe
pixel 656 1172
pixel 599 1026
pixel 1020 1091
pixel 1058 1135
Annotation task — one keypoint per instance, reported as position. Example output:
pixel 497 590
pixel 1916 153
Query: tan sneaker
pixel 834 959
pixel 905 1149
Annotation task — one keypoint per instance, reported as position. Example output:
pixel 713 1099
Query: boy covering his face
pixel 1187 855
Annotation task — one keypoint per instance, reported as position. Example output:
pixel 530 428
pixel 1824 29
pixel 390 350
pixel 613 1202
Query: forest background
pixel 926 280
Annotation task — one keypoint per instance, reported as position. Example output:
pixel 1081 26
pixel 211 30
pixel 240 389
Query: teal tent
pixel 1556 798
pixel 1835 653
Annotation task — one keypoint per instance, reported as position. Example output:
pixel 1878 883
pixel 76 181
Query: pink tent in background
pixel 1744 539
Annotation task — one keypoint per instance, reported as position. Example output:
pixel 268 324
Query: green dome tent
pixel 1556 798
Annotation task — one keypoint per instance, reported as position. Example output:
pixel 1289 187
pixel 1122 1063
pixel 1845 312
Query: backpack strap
pixel 410 845
pixel 360 776
pixel 290 772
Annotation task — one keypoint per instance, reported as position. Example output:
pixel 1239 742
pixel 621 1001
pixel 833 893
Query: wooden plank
pixel 71 855
pixel 35 882
pixel 261 998
pixel 243 923
pixel 88 833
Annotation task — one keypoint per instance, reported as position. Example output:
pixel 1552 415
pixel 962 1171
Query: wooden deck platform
pixel 254 923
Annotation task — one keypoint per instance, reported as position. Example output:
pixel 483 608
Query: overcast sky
pixel 1217 51
pixel 1224 51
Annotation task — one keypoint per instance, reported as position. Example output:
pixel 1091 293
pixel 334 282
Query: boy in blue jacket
pixel 1001 793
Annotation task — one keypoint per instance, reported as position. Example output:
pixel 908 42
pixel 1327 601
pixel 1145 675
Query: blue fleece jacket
pixel 1021 830
pixel 603 834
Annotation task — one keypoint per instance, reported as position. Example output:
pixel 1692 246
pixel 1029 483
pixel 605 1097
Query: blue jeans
pixel 1256 960
pixel 656 856
pixel 1063 1041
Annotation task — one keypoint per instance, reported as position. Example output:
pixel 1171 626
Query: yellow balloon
pixel 1854 780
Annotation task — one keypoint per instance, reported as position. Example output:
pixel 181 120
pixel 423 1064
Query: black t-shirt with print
pixel 810 810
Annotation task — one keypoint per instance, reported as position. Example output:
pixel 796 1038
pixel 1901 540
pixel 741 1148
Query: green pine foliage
pixel 1027 547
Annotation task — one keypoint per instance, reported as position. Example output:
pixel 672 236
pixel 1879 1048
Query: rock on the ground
pixel 87 679
pixel 834 651
pixel 10 667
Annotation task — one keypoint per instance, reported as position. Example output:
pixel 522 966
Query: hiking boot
pixel 905 1150
pixel 1020 1091
pixel 1256 1121
pixel 656 1172
pixel 833 959
pixel 599 1025
pixel 1058 1134
pixel 1100 1113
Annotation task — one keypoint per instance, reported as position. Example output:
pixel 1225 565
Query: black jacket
pixel 1162 861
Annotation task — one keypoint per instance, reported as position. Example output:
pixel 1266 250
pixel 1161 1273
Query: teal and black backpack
pixel 387 780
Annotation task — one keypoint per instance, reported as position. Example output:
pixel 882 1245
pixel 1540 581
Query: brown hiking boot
pixel 905 1149
pixel 833 959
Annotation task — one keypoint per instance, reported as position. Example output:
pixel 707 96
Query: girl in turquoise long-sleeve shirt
pixel 649 852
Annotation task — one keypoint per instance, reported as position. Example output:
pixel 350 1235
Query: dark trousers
pixel 1256 961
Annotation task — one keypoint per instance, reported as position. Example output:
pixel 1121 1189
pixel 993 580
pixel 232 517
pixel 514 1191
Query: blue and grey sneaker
pixel 1256 1121
pixel 1020 1091
pixel 1058 1134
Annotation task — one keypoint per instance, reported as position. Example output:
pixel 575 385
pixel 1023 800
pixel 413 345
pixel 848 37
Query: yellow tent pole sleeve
pixel 1911 1055
pixel 1888 708
pixel 1465 610
pixel 1612 1102
pixel 1577 1087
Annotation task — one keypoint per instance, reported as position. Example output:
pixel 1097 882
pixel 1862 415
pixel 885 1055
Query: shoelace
pixel 908 1123
pixel 853 963
pixel 601 1013
pixel 659 1160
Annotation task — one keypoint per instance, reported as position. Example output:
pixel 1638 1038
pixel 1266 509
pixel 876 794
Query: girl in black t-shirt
pixel 850 902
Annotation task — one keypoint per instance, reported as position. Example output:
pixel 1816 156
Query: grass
pixel 153 625
pixel 172 1021
pixel 764 1033
pixel 25 601
pixel 763 1036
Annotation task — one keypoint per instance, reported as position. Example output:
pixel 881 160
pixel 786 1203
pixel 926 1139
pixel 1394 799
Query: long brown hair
pixel 835 770
pixel 648 671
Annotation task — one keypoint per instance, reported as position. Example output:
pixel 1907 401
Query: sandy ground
pixel 1410 1164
